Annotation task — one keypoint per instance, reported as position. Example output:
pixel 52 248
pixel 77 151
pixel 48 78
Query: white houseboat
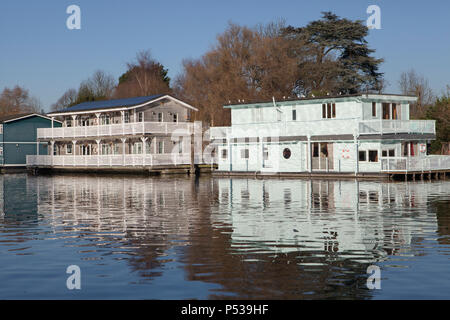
pixel 356 135
pixel 134 133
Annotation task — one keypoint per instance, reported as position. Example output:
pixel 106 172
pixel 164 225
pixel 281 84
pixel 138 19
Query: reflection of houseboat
pixel 343 217
pixel 363 135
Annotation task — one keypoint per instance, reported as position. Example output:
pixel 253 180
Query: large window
pixel 160 117
pixel 294 115
pixel 175 117
pixel 140 116
pixel 374 109
pixel 224 153
pixel 391 111
pixel 69 148
pixel 328 110
pixel 160 147
pixel 245 154
pixel 371 155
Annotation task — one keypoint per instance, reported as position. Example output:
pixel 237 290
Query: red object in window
pixel 412 149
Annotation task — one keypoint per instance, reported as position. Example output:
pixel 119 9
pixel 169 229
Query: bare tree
pixel 102 84
pixel 144 76
pixel 17 100
pixel 412 83
pixel 68 99
pixel 246 64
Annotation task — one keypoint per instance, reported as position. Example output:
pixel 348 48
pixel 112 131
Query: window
pixel 1 128
pixel 160 117
pixel 328 110
pixel 294 115
pixel 386 111
pixel 324 149
pixel 362 156
pixel 315 149
pixel 104 119
pixel 405 149
pixel 1 151
pixel 175 117
pixel 394 111
pixel 160 147
pixel 388 153
pixel 55 149
pixel 374 109
pixel 69 148
pixel 391 111
pixel 126 117
pixel 140 117
pixel 286 153
pixel 224 153
pixel 180 145
pixel 244 154
pixel 68 123
pixel 373 155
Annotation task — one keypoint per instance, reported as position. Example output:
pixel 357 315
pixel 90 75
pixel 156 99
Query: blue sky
pixel 39 52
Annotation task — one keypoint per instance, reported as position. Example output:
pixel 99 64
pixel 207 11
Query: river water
pixel 137 237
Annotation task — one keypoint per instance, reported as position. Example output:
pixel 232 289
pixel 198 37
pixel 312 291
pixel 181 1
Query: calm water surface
pixel 218 238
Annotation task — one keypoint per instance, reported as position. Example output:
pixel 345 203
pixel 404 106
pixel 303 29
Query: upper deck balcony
pixel 326 127
pixel 135 128
pixel 397 126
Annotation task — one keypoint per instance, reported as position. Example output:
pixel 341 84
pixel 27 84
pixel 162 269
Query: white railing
pixel 178 128
pixel 288 128
pixel 127 160
pixel 397 126
pixel 324 127
pixel 416 164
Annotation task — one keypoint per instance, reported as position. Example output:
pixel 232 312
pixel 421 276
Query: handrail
pixel 115 129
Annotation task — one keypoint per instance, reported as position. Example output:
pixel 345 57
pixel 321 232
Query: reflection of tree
pixel 443 219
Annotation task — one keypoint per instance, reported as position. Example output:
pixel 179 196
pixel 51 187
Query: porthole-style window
pixel 287 153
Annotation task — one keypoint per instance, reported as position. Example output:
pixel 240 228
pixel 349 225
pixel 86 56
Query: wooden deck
pixel 410 176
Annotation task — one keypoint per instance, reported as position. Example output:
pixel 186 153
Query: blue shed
pixel 18 138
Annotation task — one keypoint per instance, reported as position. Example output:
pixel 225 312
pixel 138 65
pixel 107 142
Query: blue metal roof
pixel 105 104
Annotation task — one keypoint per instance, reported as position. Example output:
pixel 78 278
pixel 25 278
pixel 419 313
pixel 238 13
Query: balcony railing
pixel 177 128
pixel 397 126
pixel 416 164
pixel 324 127
pixel 127 160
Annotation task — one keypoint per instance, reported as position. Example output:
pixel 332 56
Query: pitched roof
pixel 18 116
pixel 106 104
